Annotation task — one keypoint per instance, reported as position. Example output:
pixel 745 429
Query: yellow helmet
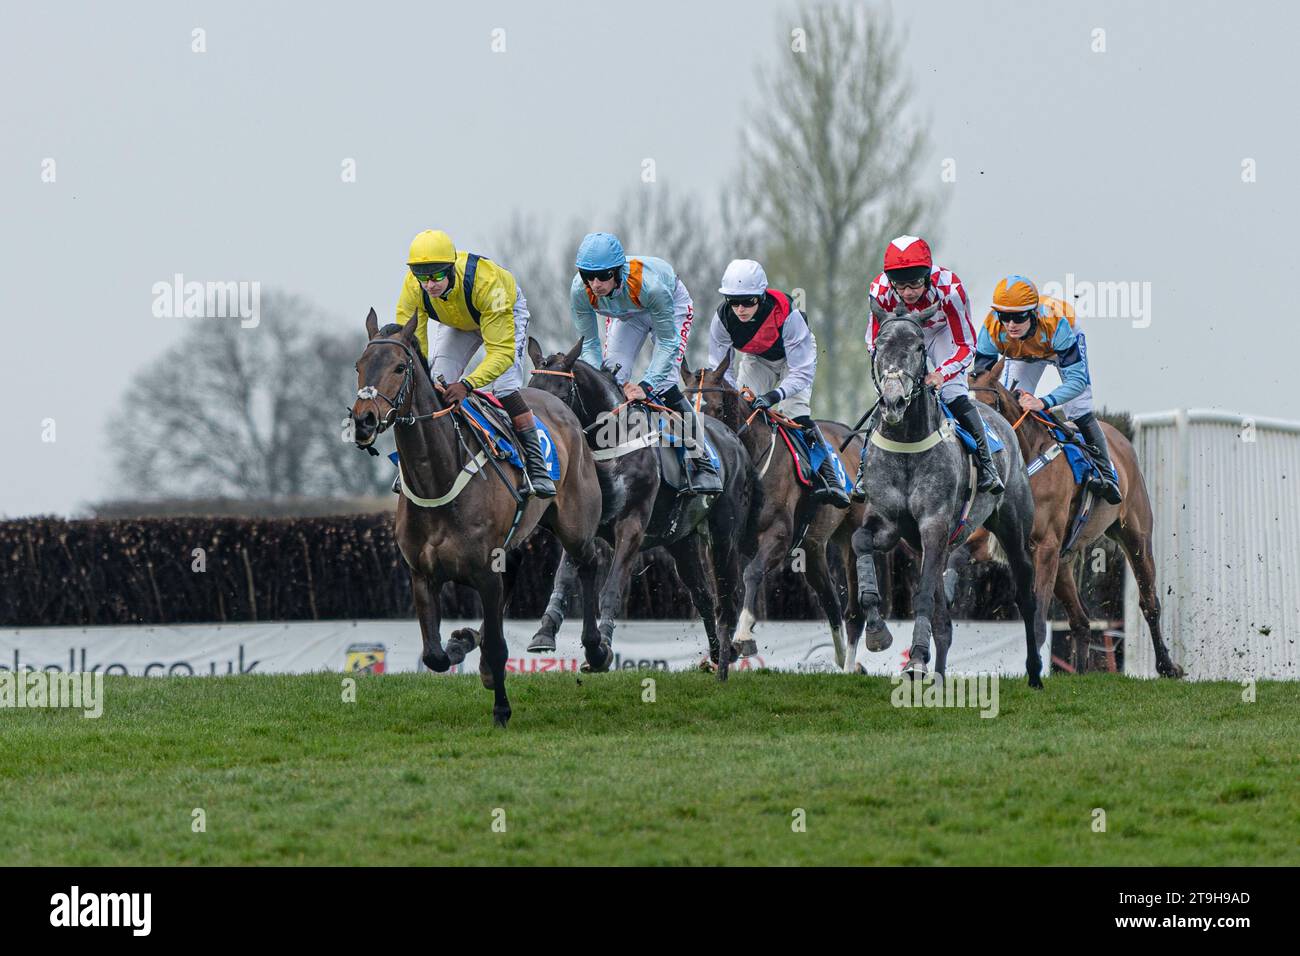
pixel 431 246
pixel 1015 294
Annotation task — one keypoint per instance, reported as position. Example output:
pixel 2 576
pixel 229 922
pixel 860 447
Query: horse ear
pixel 996 371
pixel 407 334
pixel 721 371
pixel 878 310
pixel 685 372
pixel 535 352
pixel 372 324
pixel 571 356
pixel 925 313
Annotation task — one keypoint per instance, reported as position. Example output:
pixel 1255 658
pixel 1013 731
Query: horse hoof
pixel 603 666
pixel 461 643
pixel 1172 671
pixel 879 639
pixel 706 665
pixel 500 717
pixel 746 648
pixel 1035 682
pixel 542 644
pixel 859 669
pixel 439 665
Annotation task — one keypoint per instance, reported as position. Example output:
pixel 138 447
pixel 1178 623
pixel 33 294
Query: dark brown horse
pixel 460 527
pixel 786 510
pixel 1056 504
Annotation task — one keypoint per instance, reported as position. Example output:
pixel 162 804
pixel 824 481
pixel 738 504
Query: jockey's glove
pixel 767 399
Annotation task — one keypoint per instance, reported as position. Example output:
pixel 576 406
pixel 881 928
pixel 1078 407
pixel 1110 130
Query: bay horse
pixel 788 518
pixel 1057 500
pixel 460 528
pixel 639 511
pixel 920 488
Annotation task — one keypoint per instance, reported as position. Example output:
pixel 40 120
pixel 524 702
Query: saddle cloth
pixel 672 455
pixel 807 461
pixel 967 439
pixel 505 445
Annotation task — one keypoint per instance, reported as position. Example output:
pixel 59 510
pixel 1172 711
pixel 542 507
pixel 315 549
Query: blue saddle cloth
pixel 817 454
pixel 995 443
pixel 507 447
pixel 1081 463
pixel 669 437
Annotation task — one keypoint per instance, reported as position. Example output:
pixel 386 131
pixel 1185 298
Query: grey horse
pixel 919 487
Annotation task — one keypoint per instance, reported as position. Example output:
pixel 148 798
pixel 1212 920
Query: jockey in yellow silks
pixel 473 301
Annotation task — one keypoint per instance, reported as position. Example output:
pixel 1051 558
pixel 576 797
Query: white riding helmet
pixel 743 277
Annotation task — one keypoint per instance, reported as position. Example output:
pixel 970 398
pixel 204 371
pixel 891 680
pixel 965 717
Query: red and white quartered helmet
pixel 908 258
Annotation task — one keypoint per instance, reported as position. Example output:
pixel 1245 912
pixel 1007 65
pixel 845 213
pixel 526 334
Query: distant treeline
pixel 56 572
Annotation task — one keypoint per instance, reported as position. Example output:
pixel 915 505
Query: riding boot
pixel 1107 486
pixel 969 418
pixel 859 492
pixel 831 492
pixel 534 464
pixel 705 479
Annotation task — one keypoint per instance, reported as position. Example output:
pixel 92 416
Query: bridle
pixel 405 392
pixel 574 398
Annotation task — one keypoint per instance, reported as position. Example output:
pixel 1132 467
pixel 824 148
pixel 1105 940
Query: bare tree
pixel 831 162
pixel 245 412
pixel 542 263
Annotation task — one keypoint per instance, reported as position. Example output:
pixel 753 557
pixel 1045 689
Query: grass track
pixel 708 774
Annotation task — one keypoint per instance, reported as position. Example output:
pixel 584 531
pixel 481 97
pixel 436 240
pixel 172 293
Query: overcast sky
pixel 1123 165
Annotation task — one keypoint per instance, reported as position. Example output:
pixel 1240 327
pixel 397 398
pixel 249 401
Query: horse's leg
pixel 819 578
pixel 629 533
pixel 873 538
pixel 566 585
pixel 933 532
pixel 853 614
pixel 773 544
pixel 1134 536
pixel 1011 525
pixel 492 644
pixel 728 586
pixel 1080 626
pixel 428 608
pixel 693 570
pixel 942 630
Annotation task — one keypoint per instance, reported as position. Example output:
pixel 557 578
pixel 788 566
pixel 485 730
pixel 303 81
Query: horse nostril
pixel 368 419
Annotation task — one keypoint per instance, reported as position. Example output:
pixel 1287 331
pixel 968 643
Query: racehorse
pixel 920 487
pixel 458 528
pixel 789 519
pixel 640 510
pixel 1056 510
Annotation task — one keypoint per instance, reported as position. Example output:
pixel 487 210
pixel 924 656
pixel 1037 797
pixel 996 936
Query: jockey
pixel 778 357
pixel 1032 332
pixel 640 296
pixel 473 302
pixel 912 278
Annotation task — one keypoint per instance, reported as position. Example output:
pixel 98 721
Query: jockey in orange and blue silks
pixel 1031 332
pixel 640 297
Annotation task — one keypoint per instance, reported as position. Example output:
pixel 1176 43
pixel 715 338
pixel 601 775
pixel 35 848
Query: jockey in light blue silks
pixel 1031 332
pixel 640 297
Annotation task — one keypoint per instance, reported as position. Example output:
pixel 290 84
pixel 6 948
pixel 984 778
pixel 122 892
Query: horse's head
pixel 709 388
pixel 585 389
pixel 898 366
pixel 386 378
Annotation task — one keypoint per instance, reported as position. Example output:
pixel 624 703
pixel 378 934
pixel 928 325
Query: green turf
pixel 588 773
